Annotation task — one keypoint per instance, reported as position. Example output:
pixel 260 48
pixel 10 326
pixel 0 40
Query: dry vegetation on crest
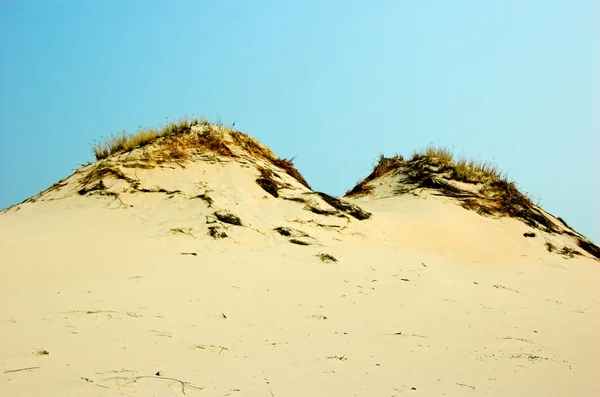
pixel 491 192
pixel 178 140
pixel 176 137
pixel 477 186
pixel 435 168
pixel 462 170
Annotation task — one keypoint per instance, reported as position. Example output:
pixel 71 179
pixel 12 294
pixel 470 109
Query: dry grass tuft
pixel 93 181
pixel 569 252
pixel 565 251
pixel 206 198
pixel 439 153
pixel 382 167
pixel 589 247
pixel 288 166
pixel 346 207
pixel 298 242
pixel 102 171
pixel 216 232
pixel 431 160
pixel 227 217
pixel 252 146
pixel 210 139
pixel 177 138
pixel 474 172
pixel 320 211
pixel 327 258
pixel 175 150
pixel 290 232
pixel 502 197
pixel 258 150
pixel 124 141
pixel 461 170
pixel 296 199
pixel 267 182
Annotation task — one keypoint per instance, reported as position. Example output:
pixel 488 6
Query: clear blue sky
pixel 333 83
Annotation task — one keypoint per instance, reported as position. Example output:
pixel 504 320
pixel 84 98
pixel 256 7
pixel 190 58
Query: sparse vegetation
pixel 284 231
pixel 589 247
pixel 296 199
pixel 258 150
pixel 288 166
pixel 443 154
pixel 346 207
pixel 177 141
pixel 183 230
pixel 103 170
pixel 206 198
pixel 383 166
pixel 569 252
pixel 227 217
pixel 434 168
pixel 565 251
pixel 320 211
pixel 290 232
pixel 93 181
pixel 489 191
pixel 561 220
pixel 327 258
pixel 267 182
pixel 124 141
pixel 169 193
pixel 100 190
pixel 216 232
pixel 298 242
pixel 474 172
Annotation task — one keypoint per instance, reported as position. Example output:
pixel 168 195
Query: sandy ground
pixel 426 299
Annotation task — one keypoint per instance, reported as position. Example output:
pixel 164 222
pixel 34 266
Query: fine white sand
pixel 426 298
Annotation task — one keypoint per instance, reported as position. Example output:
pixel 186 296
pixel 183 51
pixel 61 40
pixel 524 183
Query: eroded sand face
pixel 100 296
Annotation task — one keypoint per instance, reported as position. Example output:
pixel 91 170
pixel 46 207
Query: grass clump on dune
pixel 382 167
pixel 440 153
pixel 427 162
pixel 463 169
pixel 177 138
pixel 435 168
pixel 492 194
pixel 258 150
pixel 124 141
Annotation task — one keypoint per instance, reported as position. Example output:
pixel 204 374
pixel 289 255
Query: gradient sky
pixel 333 83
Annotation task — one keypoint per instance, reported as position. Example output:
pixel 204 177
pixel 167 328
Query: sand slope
pixel 426 298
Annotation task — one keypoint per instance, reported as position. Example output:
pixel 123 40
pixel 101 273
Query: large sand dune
pixel 132 277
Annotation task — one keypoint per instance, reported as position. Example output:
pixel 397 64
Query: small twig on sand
pixel 92 382
pixel 20 369
pixel 341 358
pixel 136 378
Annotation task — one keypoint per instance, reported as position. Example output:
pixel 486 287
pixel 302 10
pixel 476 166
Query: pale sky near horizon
pixel 333 83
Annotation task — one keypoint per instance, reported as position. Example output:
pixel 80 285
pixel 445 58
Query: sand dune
pixel 224 275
